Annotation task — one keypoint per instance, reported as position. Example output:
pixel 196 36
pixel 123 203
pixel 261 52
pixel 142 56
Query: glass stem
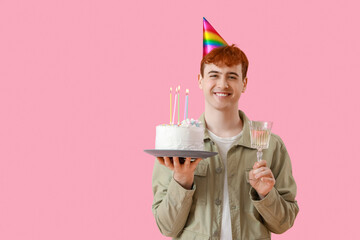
pixel 259 155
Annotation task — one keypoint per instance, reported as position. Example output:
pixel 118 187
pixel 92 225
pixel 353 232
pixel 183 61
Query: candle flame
pixel 170 89
pixel 179 88
pixel 187 91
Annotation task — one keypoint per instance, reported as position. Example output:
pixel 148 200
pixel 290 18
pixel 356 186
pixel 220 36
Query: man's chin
pixel 222 107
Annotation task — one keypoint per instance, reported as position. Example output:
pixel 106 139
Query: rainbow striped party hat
pixel 211 38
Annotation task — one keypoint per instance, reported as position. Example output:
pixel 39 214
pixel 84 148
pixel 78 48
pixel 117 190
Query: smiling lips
pixel 221 94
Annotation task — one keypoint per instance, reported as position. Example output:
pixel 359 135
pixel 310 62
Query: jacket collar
pixel 244 138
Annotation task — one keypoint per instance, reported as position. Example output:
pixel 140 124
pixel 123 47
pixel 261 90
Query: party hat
pixel 211 38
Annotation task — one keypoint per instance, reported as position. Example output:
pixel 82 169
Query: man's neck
pixel 223 123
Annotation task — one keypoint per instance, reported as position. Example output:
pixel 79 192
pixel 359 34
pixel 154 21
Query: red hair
pixel 228 55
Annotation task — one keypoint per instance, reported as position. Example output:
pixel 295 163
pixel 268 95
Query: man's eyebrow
pixel 234 73
pixel 214 72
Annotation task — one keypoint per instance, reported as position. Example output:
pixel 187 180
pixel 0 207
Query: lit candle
pixel 173 116
pixel 178 104
pixel 170 105
pixel 186 104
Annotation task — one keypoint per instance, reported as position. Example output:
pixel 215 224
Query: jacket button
pixel 218 170
pixel 233 207
pixel 218 202
pixel 216 234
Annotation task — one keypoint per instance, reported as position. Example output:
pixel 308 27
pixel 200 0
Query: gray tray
pixel 180 153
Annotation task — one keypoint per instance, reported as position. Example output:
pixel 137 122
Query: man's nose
pixel 222 83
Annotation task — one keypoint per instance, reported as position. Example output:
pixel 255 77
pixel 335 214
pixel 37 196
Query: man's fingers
pixel 168 163
pixel 260 164
pixel 256 171
pixel 264 173
pixel 161 160
pixel 176 162
pixel 195 163
pixel 251 174
pixel 187 162
pixel 268 180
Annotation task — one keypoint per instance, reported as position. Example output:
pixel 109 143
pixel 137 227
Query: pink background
pixel 83 84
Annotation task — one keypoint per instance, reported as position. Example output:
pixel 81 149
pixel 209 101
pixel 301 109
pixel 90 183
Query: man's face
pixel 222 86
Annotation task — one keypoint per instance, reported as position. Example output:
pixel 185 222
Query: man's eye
pixel 213 76
pixel 232 77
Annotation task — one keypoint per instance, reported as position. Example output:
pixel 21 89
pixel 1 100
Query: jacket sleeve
pixel 172 202
pixel 279 208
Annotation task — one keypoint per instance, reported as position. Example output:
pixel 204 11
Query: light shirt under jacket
pixel 224 144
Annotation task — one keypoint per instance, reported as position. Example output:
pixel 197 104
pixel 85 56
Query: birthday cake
pixel 189 135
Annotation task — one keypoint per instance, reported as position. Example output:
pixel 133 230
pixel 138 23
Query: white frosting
pixel 184 137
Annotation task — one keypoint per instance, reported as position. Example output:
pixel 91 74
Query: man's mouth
pixel 222 94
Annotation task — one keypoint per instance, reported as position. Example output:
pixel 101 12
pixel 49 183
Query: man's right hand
pixel 183 173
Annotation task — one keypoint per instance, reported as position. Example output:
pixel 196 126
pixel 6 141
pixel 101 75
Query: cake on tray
pixel 189 135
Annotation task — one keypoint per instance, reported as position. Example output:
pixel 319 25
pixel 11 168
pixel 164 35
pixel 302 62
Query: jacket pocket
pixel 255 228
pixel 200 181
pixel 247 171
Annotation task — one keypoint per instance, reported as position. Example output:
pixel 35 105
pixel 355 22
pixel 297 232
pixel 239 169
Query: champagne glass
pixel 260 133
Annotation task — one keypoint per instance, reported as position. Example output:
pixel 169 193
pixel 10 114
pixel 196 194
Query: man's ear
pixel 245 84
pixel 200 79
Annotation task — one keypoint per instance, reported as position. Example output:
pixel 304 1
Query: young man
pixel 231 195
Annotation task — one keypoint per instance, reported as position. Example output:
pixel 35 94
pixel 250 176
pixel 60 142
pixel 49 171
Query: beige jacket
pixel 196 214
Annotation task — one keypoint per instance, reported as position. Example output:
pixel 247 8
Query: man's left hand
pixel 261 178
